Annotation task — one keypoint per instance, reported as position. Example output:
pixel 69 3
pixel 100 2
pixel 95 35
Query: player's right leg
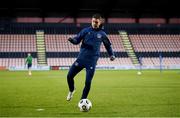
pixel 75 69
pixel 90 70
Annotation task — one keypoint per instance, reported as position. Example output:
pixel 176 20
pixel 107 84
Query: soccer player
pixel 91 38
pixel 29 63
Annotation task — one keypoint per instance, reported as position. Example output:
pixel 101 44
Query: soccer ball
pixel 85 105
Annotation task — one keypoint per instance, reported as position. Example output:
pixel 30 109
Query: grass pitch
pixel 113 94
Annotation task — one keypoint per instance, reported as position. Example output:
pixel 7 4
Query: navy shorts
pixel 29 66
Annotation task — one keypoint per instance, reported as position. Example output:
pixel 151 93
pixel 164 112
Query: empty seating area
pixel 156 61
pixel 151 44
pixel 101 61
pixel 158 43
pixel 117 61
pixel 148 40
pixel 59 43
pixel 60 61
pixel 17 43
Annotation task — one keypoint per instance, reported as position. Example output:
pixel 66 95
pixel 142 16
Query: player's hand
pixel 70 39
pixel 112 58
pixel 24 65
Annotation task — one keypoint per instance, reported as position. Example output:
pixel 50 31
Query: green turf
pixel 113 93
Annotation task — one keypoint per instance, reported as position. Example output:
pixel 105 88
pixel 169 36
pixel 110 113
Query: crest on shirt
pixel 99 36
pixel 76 63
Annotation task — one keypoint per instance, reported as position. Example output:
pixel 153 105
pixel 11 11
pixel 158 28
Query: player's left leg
pixel 29 69
pixel 89 76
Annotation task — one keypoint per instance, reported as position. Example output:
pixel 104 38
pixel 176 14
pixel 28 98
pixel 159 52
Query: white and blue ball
pixel 85 105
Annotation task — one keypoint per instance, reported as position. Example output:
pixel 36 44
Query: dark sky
pixel 137 8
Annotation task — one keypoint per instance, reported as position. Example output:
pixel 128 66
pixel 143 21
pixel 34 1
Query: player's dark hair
pixel 97 16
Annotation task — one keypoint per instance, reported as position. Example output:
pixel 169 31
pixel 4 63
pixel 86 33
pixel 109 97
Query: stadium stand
pixel 121 20
pixel 148 42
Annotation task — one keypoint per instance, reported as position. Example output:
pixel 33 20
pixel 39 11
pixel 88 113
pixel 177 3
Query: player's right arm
pixel 77 39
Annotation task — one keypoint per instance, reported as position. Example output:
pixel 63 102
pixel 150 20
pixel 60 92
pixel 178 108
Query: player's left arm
pixel 108 47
